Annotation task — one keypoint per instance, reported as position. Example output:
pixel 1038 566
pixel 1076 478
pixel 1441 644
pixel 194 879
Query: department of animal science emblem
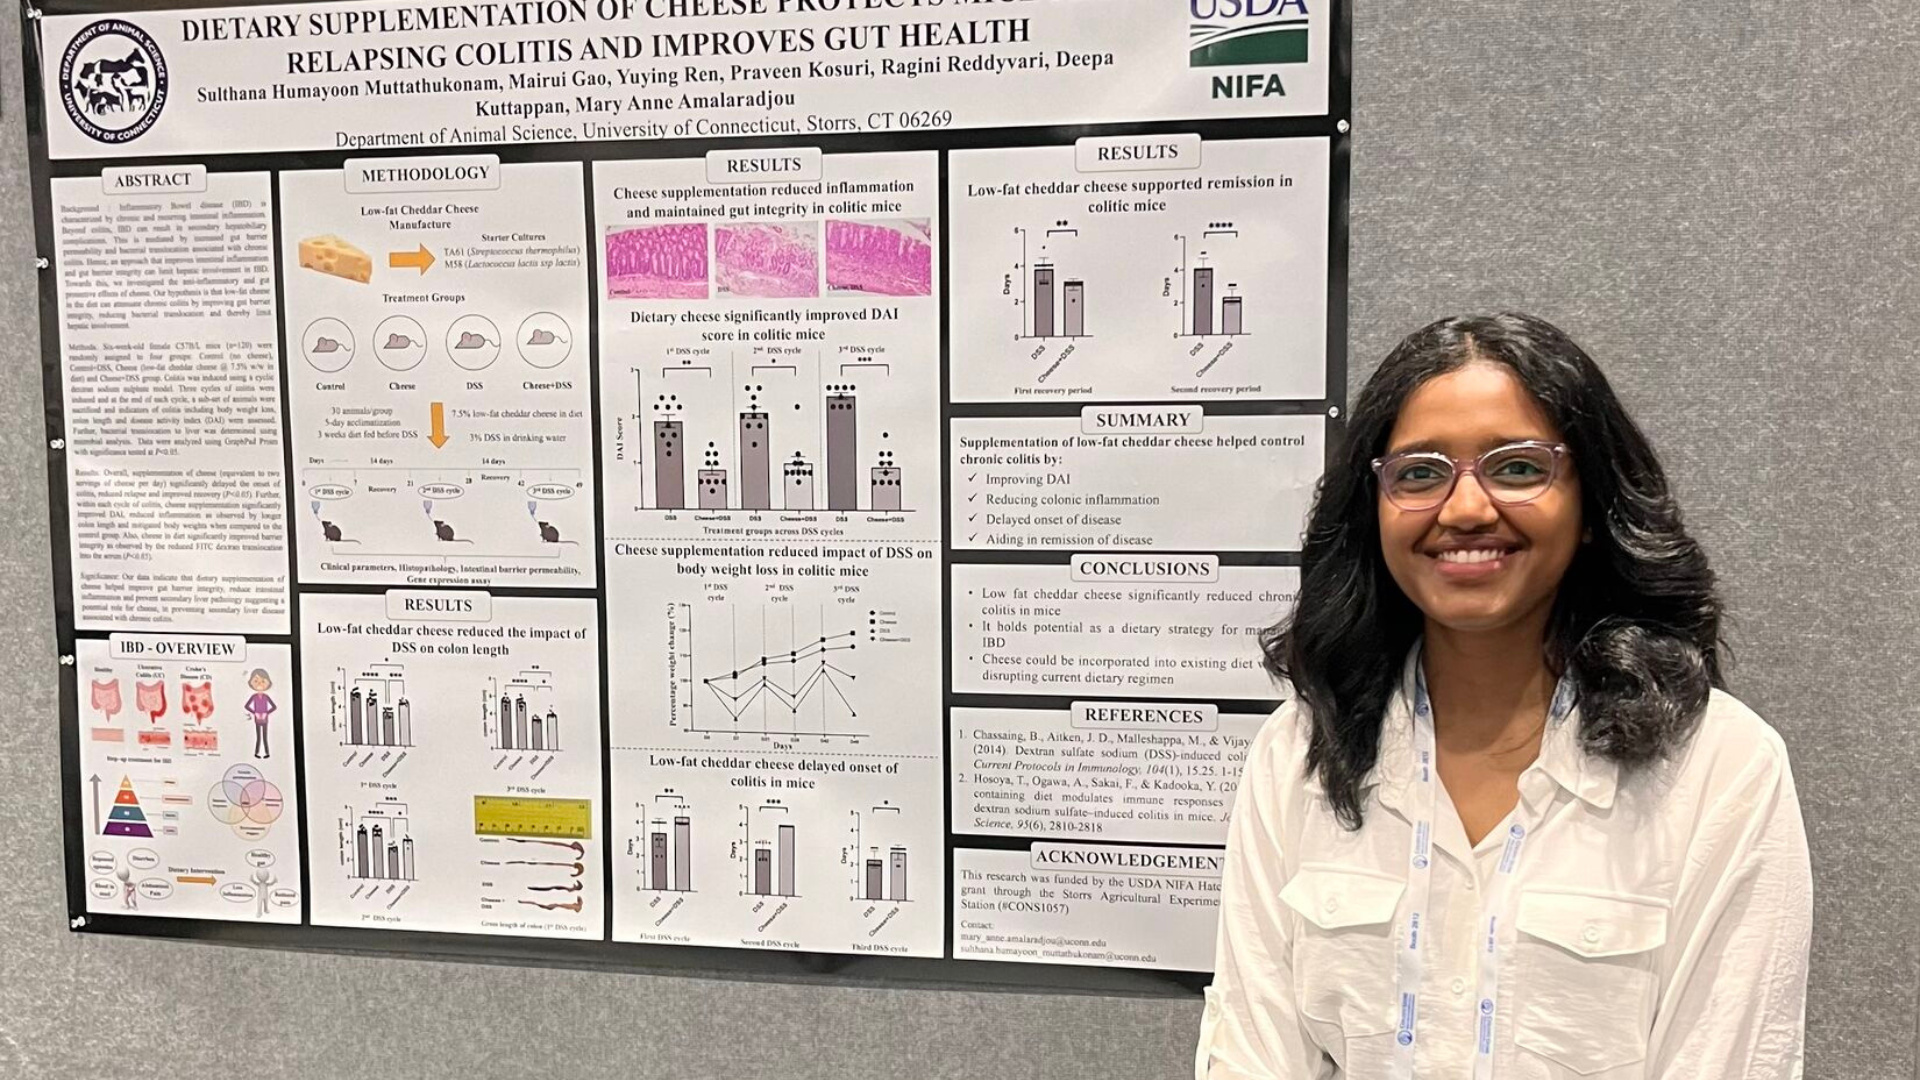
pixel 1237 33
pixel 113 81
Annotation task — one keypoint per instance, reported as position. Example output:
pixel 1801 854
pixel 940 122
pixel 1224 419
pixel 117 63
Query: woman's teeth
pixel 1472 555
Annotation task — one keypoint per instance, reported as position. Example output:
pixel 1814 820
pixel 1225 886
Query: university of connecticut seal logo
pixel 113 81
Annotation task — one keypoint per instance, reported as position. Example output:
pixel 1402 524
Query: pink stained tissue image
pixel 657 262
pixel 880 258
pixel 776 261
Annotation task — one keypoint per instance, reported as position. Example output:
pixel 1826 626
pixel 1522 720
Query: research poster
pixel 796 476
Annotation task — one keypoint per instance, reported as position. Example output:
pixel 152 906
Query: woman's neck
pixel 1490 689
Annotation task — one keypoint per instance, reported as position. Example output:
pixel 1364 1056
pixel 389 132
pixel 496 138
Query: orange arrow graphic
pixel 439 436
pixel 401 260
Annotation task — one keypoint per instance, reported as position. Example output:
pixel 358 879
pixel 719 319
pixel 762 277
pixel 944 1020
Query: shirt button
pixel 1459 987
pixel 1472 884
pixel 1333 904
pixel 1591 934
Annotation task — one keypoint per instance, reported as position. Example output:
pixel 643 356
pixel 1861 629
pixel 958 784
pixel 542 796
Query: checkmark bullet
pixel 971 537
pixel 972 478
pixel 973 496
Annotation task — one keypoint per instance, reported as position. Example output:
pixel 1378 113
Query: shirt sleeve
pixel 1252 1029
pixel 1734 1000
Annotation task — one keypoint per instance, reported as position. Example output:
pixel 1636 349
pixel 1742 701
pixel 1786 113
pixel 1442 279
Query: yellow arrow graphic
pixel 439 436
pixel 402 260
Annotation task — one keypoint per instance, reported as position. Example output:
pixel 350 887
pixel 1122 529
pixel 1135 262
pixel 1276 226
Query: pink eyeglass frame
pixel 1463 467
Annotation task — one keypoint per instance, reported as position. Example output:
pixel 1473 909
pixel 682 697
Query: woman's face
pixel 1462 414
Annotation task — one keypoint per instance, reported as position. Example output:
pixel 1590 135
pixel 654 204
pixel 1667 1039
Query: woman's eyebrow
pixel 1437 446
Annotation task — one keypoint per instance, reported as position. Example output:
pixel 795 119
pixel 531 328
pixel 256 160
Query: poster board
pixel 763 483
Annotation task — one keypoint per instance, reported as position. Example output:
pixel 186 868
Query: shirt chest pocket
pixel 1343 954
pixel 1584 976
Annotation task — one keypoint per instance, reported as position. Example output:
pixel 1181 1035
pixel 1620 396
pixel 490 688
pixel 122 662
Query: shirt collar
pixel 1592 779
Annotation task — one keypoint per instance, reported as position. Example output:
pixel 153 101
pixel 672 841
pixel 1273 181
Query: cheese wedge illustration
pixel 332 255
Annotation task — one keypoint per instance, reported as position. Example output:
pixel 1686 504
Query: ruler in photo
pixel 515 815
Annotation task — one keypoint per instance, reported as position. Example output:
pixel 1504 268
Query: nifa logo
pixel 113 81
pixel 1242 33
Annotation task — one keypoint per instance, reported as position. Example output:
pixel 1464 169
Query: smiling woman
pixel 1509 823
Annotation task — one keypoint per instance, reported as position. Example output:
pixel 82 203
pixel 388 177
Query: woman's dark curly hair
pixel 1636 620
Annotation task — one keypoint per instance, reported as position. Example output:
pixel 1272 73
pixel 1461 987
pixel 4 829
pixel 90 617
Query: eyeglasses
pixel 1511 475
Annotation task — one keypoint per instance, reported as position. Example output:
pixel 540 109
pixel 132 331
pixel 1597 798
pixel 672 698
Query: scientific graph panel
pixel 770 349
pixel 781 662
pixel 453 762
pixel 1202 273
pixel 796 863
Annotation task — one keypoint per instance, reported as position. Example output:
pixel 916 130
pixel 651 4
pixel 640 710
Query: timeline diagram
pixel 527 515
pixel 790 430
pixel 1198 275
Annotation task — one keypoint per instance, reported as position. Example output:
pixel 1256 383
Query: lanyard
pixel 1409 959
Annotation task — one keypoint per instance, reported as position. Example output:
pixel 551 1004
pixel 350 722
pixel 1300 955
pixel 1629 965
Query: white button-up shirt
pixel 1658 931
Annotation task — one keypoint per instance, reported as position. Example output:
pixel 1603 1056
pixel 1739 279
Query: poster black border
pixel 609 955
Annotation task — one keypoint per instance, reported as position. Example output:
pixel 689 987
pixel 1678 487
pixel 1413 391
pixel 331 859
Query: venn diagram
pixel 245 800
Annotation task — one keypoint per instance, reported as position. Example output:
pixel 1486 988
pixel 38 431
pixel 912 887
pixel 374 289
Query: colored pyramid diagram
pixel 127 818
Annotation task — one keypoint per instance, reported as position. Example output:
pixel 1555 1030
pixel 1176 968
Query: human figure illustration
pixel 126 888
pixel 262 879
pixel 260 707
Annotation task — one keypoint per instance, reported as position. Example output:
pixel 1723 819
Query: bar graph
pixel 879 864
pixel 1209 303
pixel 520 714
pixel 380 844
pixel 1055 301
pixel 667 845
pixel 372 708
pixel 771 842
pixel 767 432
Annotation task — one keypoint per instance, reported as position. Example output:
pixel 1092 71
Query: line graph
pixel 783 672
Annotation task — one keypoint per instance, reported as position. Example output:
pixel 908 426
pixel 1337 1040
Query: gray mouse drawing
pixel 445 532
pixel 551 535
pixel 333 534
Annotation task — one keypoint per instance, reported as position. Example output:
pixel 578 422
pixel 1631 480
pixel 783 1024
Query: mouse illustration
pixel 445 532
pixel 551 535
pixel 333 534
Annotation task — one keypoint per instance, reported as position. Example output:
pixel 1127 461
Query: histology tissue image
pixel 657 262
pixel 767 260
pixel 893 257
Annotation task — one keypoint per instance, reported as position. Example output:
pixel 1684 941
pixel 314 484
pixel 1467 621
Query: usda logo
pixel 1240 33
